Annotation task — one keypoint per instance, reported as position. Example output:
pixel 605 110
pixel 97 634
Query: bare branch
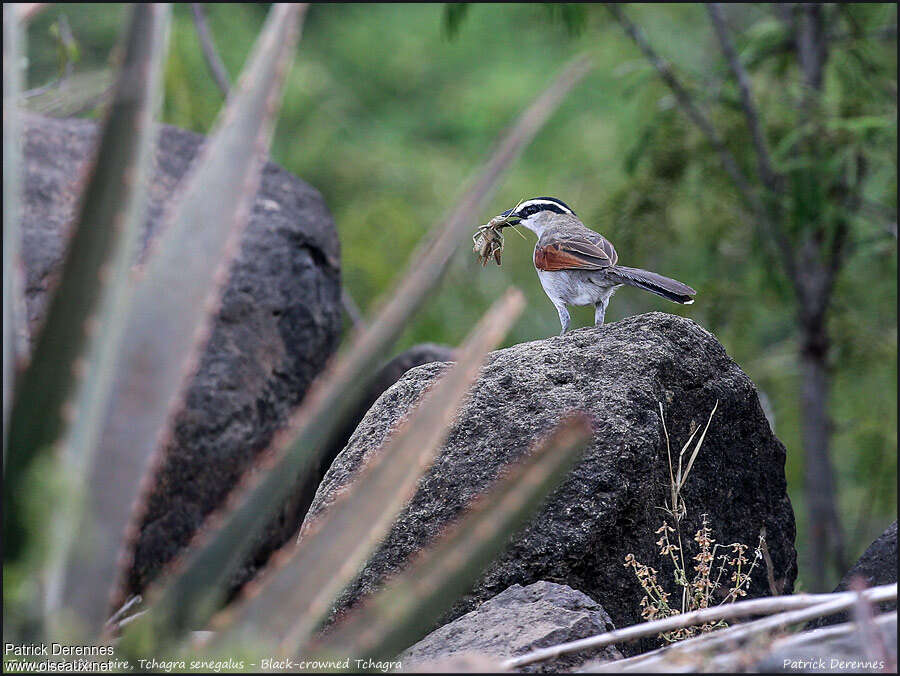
pixel 128 605
pixel 687 103
pixel 766 174
pixel 812 46
pixel 785 13
pixel 883 33
pixel 216 67
pixel 764 220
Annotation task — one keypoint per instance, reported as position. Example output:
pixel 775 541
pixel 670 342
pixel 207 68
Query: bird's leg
pixel 563 317
pixel 600 311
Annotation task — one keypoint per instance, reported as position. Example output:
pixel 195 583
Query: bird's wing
pixel 574 253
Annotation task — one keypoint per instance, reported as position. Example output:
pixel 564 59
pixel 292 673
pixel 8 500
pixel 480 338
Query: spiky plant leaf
pixel 398 615
pixel 51 393
pixel 173 304
pixel 83 92
pixel 14 319
pixel 300 590
pixel 337 392
pixel 130 129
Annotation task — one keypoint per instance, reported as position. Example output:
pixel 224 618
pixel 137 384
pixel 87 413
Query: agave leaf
pixel 398 615
pixel 173 303
pixel 129 130
pixel 29 10
pixel 290 605
pixel 52 388
pixel 14 319
pixel 336 393
pixel 81 92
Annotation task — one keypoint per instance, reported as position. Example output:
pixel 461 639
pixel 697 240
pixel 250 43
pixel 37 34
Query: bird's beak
pixel 506 220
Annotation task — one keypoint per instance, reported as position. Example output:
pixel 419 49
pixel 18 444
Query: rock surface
pixel 517 621
pixel 387 375
pixel 608 506
pixel 876 566
pixel 280 320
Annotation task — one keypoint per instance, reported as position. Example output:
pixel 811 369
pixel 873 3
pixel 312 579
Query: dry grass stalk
pixel 799 608
pixel 700 591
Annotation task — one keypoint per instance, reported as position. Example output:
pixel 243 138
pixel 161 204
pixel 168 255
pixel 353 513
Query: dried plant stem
pixel 126 621
pixel 800 608
pixel 777 622
pixel 128 605
pixel 677 509
pixel 697 651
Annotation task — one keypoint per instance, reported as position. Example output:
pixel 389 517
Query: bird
pixel 578 266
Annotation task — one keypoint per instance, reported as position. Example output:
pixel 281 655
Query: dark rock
pixel 279 322
pixel 517 621
pixel 608 505
pixel 387 375
pixel 877 566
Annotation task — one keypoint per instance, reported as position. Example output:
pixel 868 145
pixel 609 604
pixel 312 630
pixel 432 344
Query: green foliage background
pixel 389 107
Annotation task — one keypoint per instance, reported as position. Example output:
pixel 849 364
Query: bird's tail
pixel 669 289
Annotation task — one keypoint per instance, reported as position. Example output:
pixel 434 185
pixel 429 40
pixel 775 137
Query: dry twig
pixel 800 608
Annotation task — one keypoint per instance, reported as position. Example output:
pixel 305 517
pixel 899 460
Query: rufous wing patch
pixel 553 257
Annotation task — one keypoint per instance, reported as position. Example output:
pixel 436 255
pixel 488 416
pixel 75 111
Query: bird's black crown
pixel 535 205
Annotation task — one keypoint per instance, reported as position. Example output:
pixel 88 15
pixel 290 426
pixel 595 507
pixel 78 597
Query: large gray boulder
pixel 608 506
pixel 279 322
pixel 518 621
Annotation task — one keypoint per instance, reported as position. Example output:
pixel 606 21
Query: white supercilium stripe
pixel 540 201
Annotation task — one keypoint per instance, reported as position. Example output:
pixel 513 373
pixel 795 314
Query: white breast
pixel 575 287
